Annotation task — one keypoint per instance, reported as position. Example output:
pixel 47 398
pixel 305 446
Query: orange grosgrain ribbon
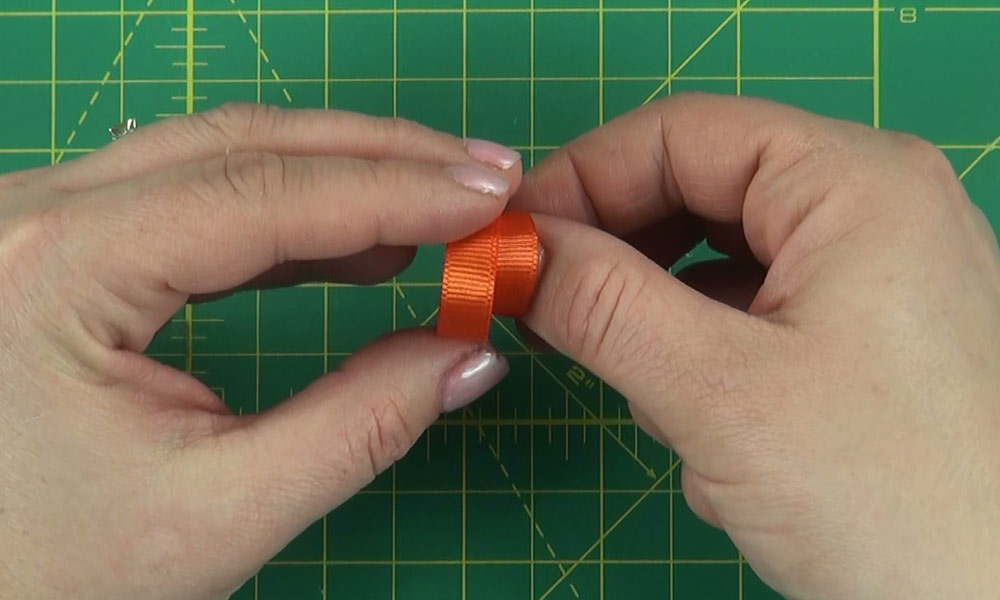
pixel 493 271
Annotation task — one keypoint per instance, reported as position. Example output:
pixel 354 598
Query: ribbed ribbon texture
pixel 493 271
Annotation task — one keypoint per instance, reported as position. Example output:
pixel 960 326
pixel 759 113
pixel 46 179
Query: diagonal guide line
pixel 975 163
pixel 586 409
pixel 104 80
pixel 715 33
pixel 520 496
pixel 189 95
pixel 611 528
pixel 430 317
pixel 254 36
pixel 402 296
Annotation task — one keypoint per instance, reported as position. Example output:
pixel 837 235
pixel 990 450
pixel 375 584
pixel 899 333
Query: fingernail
pixel 479 180
pixel 492 154
pixel 473 377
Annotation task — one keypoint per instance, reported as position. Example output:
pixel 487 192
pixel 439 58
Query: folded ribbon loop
pixel 493 271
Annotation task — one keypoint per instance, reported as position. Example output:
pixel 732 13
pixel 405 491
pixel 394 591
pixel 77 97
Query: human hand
pixel 840 416
pixel 123 478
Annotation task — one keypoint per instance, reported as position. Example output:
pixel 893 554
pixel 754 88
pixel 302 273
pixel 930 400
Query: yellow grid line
pixel 326 289
pixel 600 62
pixel 257 388
pixel 601 492
pixel 398 291
pixel 52 133
pixel 189 61
pixel 122 40
pixel 395 281
pixel 602 582
pixel 189 109
pixel 739 49
pixel 876 65
pixel 445 79
pixel 465 506
pixel 499 11
pixel 465 462
pixel 531 106
pixel 531 442
pixel 670 90
pixel 670 49
pixel 739 92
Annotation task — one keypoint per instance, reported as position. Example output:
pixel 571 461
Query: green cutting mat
pixel 544 489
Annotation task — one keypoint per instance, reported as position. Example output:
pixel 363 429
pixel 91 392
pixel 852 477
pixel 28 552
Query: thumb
pixel 683 359
pixel 278 472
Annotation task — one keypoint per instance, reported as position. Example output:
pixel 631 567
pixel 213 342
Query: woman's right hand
pixel 834 386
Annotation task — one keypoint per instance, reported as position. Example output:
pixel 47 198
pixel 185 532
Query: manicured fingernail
pixel 479 180
pixel 473 377
pixel 492 154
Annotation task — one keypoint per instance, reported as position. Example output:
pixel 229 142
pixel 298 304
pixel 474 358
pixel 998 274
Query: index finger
pixel 240 127
pixel 698 154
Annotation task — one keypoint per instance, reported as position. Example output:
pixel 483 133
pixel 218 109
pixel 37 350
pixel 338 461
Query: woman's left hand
pixel 123 478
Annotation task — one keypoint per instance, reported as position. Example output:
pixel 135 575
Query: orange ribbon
pixel 493 271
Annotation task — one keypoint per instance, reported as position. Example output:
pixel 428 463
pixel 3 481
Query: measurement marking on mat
pixel 524 504
pixel 587 412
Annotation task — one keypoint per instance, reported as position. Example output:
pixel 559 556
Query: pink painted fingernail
pixel 473 377
pixel 479 180
pixel 492 154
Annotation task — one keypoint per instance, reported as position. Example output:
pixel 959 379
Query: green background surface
pixel 544 489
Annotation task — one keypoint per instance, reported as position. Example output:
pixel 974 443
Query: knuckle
pixel 26 239
pixel 253 175
pixel 601 321
pixel 683 99
pixel 934 192
pixel 925 157
pixel 241 122
pixel 401 130
pixel 15 180
pixel 387 435
pixel 815 147
pixel 379 174
pixel 981 224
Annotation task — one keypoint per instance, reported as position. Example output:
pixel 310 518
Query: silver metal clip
pixel 122 129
